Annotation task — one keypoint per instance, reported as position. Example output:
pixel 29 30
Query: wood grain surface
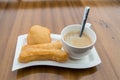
pixel 17 16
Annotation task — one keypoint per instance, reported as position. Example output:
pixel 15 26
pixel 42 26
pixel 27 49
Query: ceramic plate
pixel 87 61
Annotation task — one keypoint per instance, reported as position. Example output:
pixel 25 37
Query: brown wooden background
pixel 17 16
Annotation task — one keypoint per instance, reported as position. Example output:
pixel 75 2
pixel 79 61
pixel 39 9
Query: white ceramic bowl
pixel 77 52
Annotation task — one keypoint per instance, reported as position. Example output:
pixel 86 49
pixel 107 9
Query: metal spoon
pixel 84 20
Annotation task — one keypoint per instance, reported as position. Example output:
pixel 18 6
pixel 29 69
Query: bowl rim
pixel 78 25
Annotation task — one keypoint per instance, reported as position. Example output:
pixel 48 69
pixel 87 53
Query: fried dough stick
pixel 34 54
pixel 48 51
pixel 54 45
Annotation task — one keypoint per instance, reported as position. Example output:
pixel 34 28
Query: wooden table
pixel 17 16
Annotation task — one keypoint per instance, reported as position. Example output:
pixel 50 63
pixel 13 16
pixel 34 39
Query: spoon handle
pixel 84 19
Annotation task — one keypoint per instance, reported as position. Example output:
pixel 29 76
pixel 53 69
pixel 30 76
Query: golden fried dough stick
pixel 34 54
pixel 55 45
pixel 38 35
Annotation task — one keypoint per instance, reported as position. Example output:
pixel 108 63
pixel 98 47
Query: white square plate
pixel 87 61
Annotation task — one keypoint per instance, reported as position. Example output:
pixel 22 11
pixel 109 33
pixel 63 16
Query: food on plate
pixel 33 54
pixel 38 35
pixel 54 45
pixel 40 47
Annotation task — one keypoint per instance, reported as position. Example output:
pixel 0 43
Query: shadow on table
pixel 46 72
pixel 31 4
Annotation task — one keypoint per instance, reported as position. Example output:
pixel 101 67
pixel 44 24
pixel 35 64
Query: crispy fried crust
pixel 38 35
pixel 48 51
pixel 40 47
pixel 42 54
pixel 54 45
